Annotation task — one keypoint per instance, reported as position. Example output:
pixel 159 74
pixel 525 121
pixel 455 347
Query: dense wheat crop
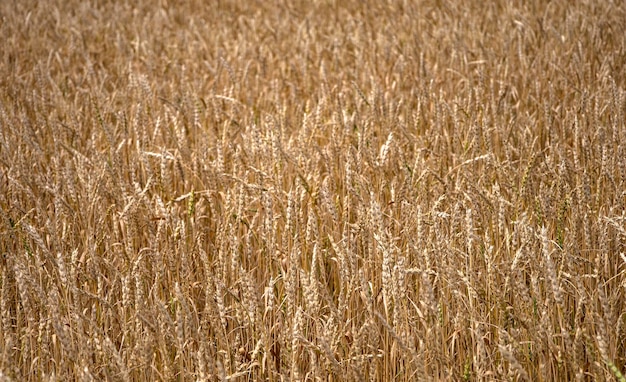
pixel 314 190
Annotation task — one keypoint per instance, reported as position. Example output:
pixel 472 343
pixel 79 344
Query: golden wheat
pixel 339 191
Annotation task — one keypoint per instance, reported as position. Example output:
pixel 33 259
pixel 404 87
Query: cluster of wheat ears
pixel 314 190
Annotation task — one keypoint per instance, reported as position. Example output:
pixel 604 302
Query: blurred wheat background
pixel 312 190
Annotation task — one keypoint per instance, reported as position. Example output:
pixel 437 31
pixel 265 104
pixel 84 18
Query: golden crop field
pixel 312 190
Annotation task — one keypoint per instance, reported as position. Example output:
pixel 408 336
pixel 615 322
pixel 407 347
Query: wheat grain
pixel 416 195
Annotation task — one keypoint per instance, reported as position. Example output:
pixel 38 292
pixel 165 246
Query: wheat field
pixel 312 190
